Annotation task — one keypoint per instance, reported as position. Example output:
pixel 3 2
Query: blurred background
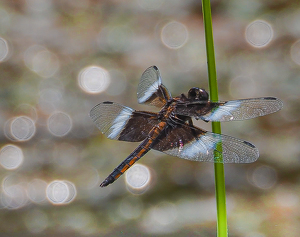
pixel 61 58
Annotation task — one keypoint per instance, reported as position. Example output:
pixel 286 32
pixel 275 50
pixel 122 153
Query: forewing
pixel 231 110
pixel 192 143
pixel 151 90
pixel 122 123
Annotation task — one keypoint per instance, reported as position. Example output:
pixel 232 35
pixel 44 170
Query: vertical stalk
pixel 216 126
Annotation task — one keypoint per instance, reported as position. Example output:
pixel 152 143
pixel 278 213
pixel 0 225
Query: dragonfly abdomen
pixel 137 154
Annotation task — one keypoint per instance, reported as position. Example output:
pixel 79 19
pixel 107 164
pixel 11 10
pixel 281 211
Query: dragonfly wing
pixel 192 143
pixel 151 90
pixel 122 123
pixel 242 109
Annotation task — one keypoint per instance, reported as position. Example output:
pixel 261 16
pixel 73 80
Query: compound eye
pixel 196 93
pixel 203 94
pixel 192 94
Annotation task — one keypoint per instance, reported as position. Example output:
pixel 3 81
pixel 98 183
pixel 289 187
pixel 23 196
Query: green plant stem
pixel 216 126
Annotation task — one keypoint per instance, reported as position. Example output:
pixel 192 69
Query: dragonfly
pixel 171 130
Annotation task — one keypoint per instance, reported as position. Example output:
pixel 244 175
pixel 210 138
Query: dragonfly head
pixel 196 93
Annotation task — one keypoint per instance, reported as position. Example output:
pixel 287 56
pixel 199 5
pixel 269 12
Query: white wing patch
pixel 198 150
pixel 224 111
pixel 111 118
pixel 119 123
pixel 202 146
pixel 148 93
pixel 205 148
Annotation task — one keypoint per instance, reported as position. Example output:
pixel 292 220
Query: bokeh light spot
pixel 40 60
pixel 14 195
pixel 22 128
pixel 36 190
pixel 93 79
pixel 45 63
pixel 14 198
pixel 71 191
pixel 138 176
pixel 57 192
pixel 264 177
pixel 174 35
pixel 11 157
pixel 61 192
pixel 259 33
pixel 3 49
pixel 59 124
